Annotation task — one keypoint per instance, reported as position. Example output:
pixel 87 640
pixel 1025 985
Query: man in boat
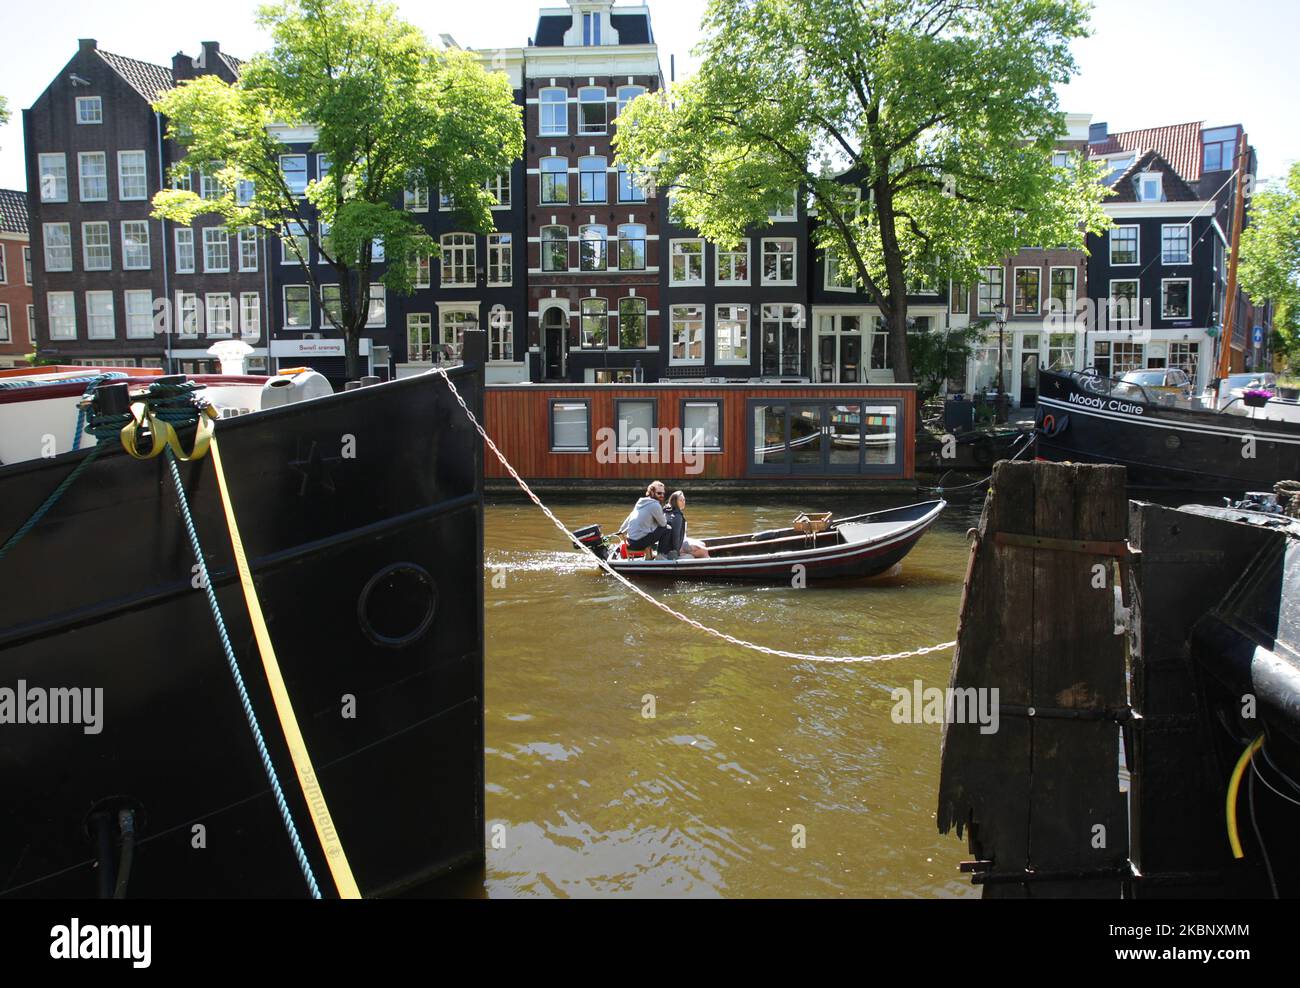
pixel 676 514
pixel 648 526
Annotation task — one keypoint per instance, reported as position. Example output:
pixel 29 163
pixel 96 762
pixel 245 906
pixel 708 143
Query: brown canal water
pixel 745 753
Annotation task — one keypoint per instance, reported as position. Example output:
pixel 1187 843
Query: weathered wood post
pixel 1039 798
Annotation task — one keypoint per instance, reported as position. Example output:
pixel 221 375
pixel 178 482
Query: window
pixel 63 315
pixel 1064 290
pixel 454 323
pixel 184 250
pixel 591 28
pixel 687 335
pixel 216 249
pixel 58 247
pixel 1150 187
pixel 27 265
pixel 1186 357
pixel 636 424
pixel 702 426
pixel 1028 291
pixel 990 291
pixel 501 335
pixel 632 324
pixel 631 247
pixel 132 181
pixel 247 248
pixel 325 245
pixel 732 267
pixel 220 314
pixel 421 271
pixel 419 337
pixel 99 315
pixel 1127 356
pixel 6 334
pixel 96 247
pixel 629 189
pixel 31 324
pixel 553 105
pixel 331 305
pixel 687 262
pixel 1060 351
pixel 1124 245
pixel 135 245
pixel 297 307
pixel 731 334
pixel 555 248
pixel 295 247
pixel 782 326
pixel 1176 298
pixel 626 94
pixel 555 180
pixel 1124 302
pixel 444 200
pixel 592 184
pixel 880 346
pixel 377 314
pixel 840 277
pixel 244 192
pixel 594 323
pixel 498 187
pixel 570 426
pixel 1061 159
pixel 416 196
pixel 250 315
pixel 323 165
pixel 788 211
pixel 181 178
pixel 591 111
pixel 377 251
pixel 139 314
pixel 779 261
pixel 1176 243
pixel 92 171
pixel 294 169
pixel 458 260
pixel 1220 149
pixel 958 298
pixel 593 249
pixel 187 309
pixel 90 110
pixel 54 177
pixel 500 267
pixel 209 185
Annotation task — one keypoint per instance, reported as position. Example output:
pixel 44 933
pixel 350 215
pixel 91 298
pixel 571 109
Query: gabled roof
pixel 235 65
pixel 1178 144
pixel 147 79
pixel 1175 189
pixel 13 211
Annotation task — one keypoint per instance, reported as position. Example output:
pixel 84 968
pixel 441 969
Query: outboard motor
pixel 291 387
pixel 592 539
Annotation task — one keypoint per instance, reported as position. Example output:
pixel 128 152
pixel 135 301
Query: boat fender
pixel 1050 425
pixel 285 389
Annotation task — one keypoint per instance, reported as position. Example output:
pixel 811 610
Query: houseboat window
pixel 555 248
pixel 702 426
pixel 687 334
pixel 632 324
pixel 595 323
pixel 880 434
pixel 731 334
pixel 1101 357
pixel 733 265
pixel 592 179
pixel 636 425
pixel 1176 243
pixel 614 376
pixel 1176 298
pixel 593 250
pixel 1028 281
pixel 570 426
pixel 1124 245
pixel 769 434
pixel 631 247
pixel 554 106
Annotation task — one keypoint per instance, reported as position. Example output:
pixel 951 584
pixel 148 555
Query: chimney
pixel 182 66
pixel 208 57
pixel 87 44
pixel 1097 133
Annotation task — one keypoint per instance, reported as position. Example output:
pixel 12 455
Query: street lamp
pixel 1000 312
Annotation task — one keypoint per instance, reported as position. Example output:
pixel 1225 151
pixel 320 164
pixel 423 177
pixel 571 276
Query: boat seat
pixel 863 531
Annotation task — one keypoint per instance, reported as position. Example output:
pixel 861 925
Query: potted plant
pixel 1256 397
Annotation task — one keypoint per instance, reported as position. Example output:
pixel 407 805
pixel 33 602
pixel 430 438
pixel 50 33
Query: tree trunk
pixel 899 357
pixel 357 368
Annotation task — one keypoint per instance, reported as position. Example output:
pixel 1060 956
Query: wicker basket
pixel 807 524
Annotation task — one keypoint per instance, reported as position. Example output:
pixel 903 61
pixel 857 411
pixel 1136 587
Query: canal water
pixel 628 754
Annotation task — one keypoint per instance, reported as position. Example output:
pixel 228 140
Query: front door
pixel 1029 361
pixel 553 331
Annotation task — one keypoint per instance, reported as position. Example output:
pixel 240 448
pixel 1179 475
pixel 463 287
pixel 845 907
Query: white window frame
pixel 1187 235
pixel 293 230
pixel 210 324
pixel 6 325
pixel 187 231
pixel 687 361
pixel 44 170
pixel 284 307
pixel 543 104
pixel 1146 177
pixel 122 158
pixel 422 352
pixel 148 246
pixel 500 257
pixel 27 264
pixel 501 188
pixel 106 244
pixel 454 249
pixel 719 254
pixel 225 236
pixel 378 297
pixel 184 301
pixel 583 131
pixel 794 262
pixel 87 101
pixel 71 312
pixel 422 271
pixel 831 263
pixel 784 216
pixel 135 329
pixel 82 157
pixel 250 314
pixel 980 307
pixel 687 281
pixel 1164 314
pixel 306 180
pixel 501 337
pixel 247 235
pixel 209 185
pixel 1135 316
pixel 415 197
pixel 1137 252
pixel 620 102
pixel 45 245
pixel 447 333
pixel 1074 290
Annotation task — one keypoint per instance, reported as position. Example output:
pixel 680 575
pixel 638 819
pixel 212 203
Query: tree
pixel 1270 257
pixel 4 111
pixel 390 112
pixel 921 130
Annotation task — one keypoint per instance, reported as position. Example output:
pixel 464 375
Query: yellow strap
pixel 320 813
pixel 164 435
pixel 1234 787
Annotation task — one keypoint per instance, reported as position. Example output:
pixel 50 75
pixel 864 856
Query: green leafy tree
pixel 922 132
pixel 941 356
pixel 390 113
pixel 1270 258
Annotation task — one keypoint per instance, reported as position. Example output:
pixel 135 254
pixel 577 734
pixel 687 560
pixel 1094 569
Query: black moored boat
pixel 361 514
pixel 1164 444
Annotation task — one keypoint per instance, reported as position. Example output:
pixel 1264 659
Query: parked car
pixel 1163 383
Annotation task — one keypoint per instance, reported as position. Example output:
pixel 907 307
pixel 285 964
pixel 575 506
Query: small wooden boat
pixel 854 547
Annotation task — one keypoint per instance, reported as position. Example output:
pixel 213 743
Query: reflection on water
pixel 704 798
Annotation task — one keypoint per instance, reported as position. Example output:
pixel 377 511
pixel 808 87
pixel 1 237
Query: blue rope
pixel 81 405
pixel 18 383
pixel 280 802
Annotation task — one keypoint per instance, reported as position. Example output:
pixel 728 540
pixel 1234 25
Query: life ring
pixel 1048 425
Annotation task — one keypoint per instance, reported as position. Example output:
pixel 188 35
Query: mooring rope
pixel 648 598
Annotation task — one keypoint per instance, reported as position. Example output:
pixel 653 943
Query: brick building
pixel 16 313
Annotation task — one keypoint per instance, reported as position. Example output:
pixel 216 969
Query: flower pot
pixel 1255 401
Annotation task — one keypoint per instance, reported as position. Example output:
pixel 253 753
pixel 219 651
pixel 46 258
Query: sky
pixel 1149 62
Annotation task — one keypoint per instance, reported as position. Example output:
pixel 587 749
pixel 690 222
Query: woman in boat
pixel 647 526
pixel 685 545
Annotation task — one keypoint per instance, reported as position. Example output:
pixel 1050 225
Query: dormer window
pixel 591 29
pixel 1150 187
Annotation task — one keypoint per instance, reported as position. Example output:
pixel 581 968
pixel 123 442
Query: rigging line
pixel 1194 217
pixel 1259 839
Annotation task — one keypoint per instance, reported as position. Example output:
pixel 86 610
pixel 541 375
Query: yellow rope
pixel 1234 788
pixel 311 790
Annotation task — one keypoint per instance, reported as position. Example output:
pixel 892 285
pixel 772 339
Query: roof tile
pixel 13 211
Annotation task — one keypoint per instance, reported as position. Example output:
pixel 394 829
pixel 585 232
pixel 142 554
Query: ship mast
pixel 1230 303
